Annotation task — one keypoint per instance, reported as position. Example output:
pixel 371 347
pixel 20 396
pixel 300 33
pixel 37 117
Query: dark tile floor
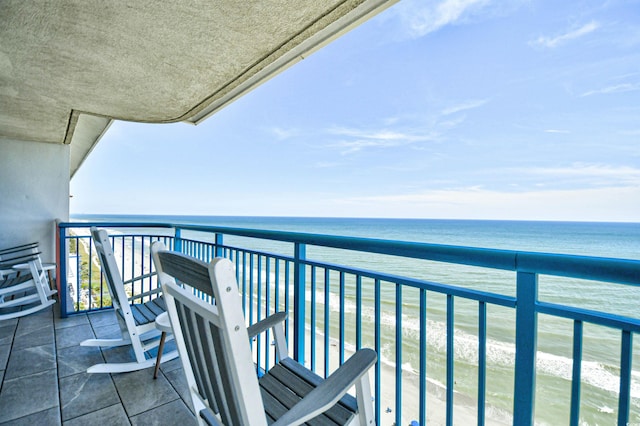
pixel 43 379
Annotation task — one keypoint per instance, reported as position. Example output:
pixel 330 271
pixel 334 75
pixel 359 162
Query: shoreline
pixel 464 409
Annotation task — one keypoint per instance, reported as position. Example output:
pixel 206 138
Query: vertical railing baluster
pixel 299 315
pixel 423 358
pixel 450 359
pixel 378 347
pixel 327 322
pixel 62 261
pixel 526 336
pixel 358 312
pixel 398 348
pixel 177 240
pixel 122 250
pixel 259 337
pixel 90 287
pixel 287 300
pixel 277 291
pixel 267 301
pixel 313 318
pixel 78 275
pixel 133 263
pixel 577 373
pixel 482 360
pixel 244 283
pixel 626 352
pixel 251 273
pixel 101 286
pixel 142 263
pixel 219 244
pixel 341 320
pixel 277 285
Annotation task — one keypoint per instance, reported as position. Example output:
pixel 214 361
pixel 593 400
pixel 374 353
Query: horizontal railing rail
pixel 338 306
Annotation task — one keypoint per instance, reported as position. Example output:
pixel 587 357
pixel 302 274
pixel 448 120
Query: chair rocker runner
pixel 136 320
pixel 213 342
pixel 24 286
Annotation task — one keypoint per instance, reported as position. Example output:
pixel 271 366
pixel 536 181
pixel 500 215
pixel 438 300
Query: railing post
pixel 526 337
pixel 62 255
pixel 177 240
pixel 219 242
pixel 299 290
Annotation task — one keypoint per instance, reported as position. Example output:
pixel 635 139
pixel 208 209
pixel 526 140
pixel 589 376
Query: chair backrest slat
pixel 110 269
pixel 202 356
pixel 187 270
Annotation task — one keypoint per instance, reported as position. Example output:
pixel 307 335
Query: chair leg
pixel 158 359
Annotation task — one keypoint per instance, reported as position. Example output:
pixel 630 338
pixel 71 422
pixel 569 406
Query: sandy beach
pixel 465 408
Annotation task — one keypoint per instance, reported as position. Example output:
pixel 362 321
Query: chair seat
pixel 14 280
pixel 288 382
pixel 145 313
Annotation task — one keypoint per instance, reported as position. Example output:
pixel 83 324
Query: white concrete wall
pixel 34 193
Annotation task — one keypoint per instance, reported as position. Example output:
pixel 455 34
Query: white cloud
pixel 601 204
pixel 422 18
pixel 556 131
pixel 379 135
pixel 464 106
pixel 618 88
pixel 282 134
pixel 354 140
pixel 600 174
pixel 573 34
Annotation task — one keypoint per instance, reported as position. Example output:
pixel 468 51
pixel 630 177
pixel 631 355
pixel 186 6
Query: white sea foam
pixel 605 409
pixel 597 374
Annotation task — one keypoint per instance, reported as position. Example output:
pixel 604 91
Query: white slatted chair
pixel 214 347
pixel 136 320
pixel 24 287
pixel 8 255
pixel 11 254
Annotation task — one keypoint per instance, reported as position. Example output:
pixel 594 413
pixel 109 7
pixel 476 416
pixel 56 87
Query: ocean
pixel 601 345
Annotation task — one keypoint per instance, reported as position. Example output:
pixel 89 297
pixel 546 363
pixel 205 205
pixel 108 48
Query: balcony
pixel 452 350
pixel 44 379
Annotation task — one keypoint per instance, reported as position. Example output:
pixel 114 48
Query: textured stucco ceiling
pixel 67 68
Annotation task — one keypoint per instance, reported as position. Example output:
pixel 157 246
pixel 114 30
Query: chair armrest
pixel 275 322
pixel 267 323
pixel 331 389
pixel 209 418
pixel 145 294
pixel 139 278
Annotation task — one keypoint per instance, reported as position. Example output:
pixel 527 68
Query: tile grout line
pixel 55 343
pixel 13 338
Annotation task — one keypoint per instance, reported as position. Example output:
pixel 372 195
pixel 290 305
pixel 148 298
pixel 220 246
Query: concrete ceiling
pixel 68 68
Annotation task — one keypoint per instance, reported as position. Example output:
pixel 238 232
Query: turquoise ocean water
pixel 601 346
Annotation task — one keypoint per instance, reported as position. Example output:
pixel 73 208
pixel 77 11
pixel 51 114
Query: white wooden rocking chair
pixel 136 320
pixel 24 284
pixel 8 254
pixel 213 342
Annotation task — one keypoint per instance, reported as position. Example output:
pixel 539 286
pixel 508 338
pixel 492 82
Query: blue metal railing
pixel 306 288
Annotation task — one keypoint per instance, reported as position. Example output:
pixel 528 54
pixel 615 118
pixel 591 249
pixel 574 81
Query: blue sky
pixel 474 109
